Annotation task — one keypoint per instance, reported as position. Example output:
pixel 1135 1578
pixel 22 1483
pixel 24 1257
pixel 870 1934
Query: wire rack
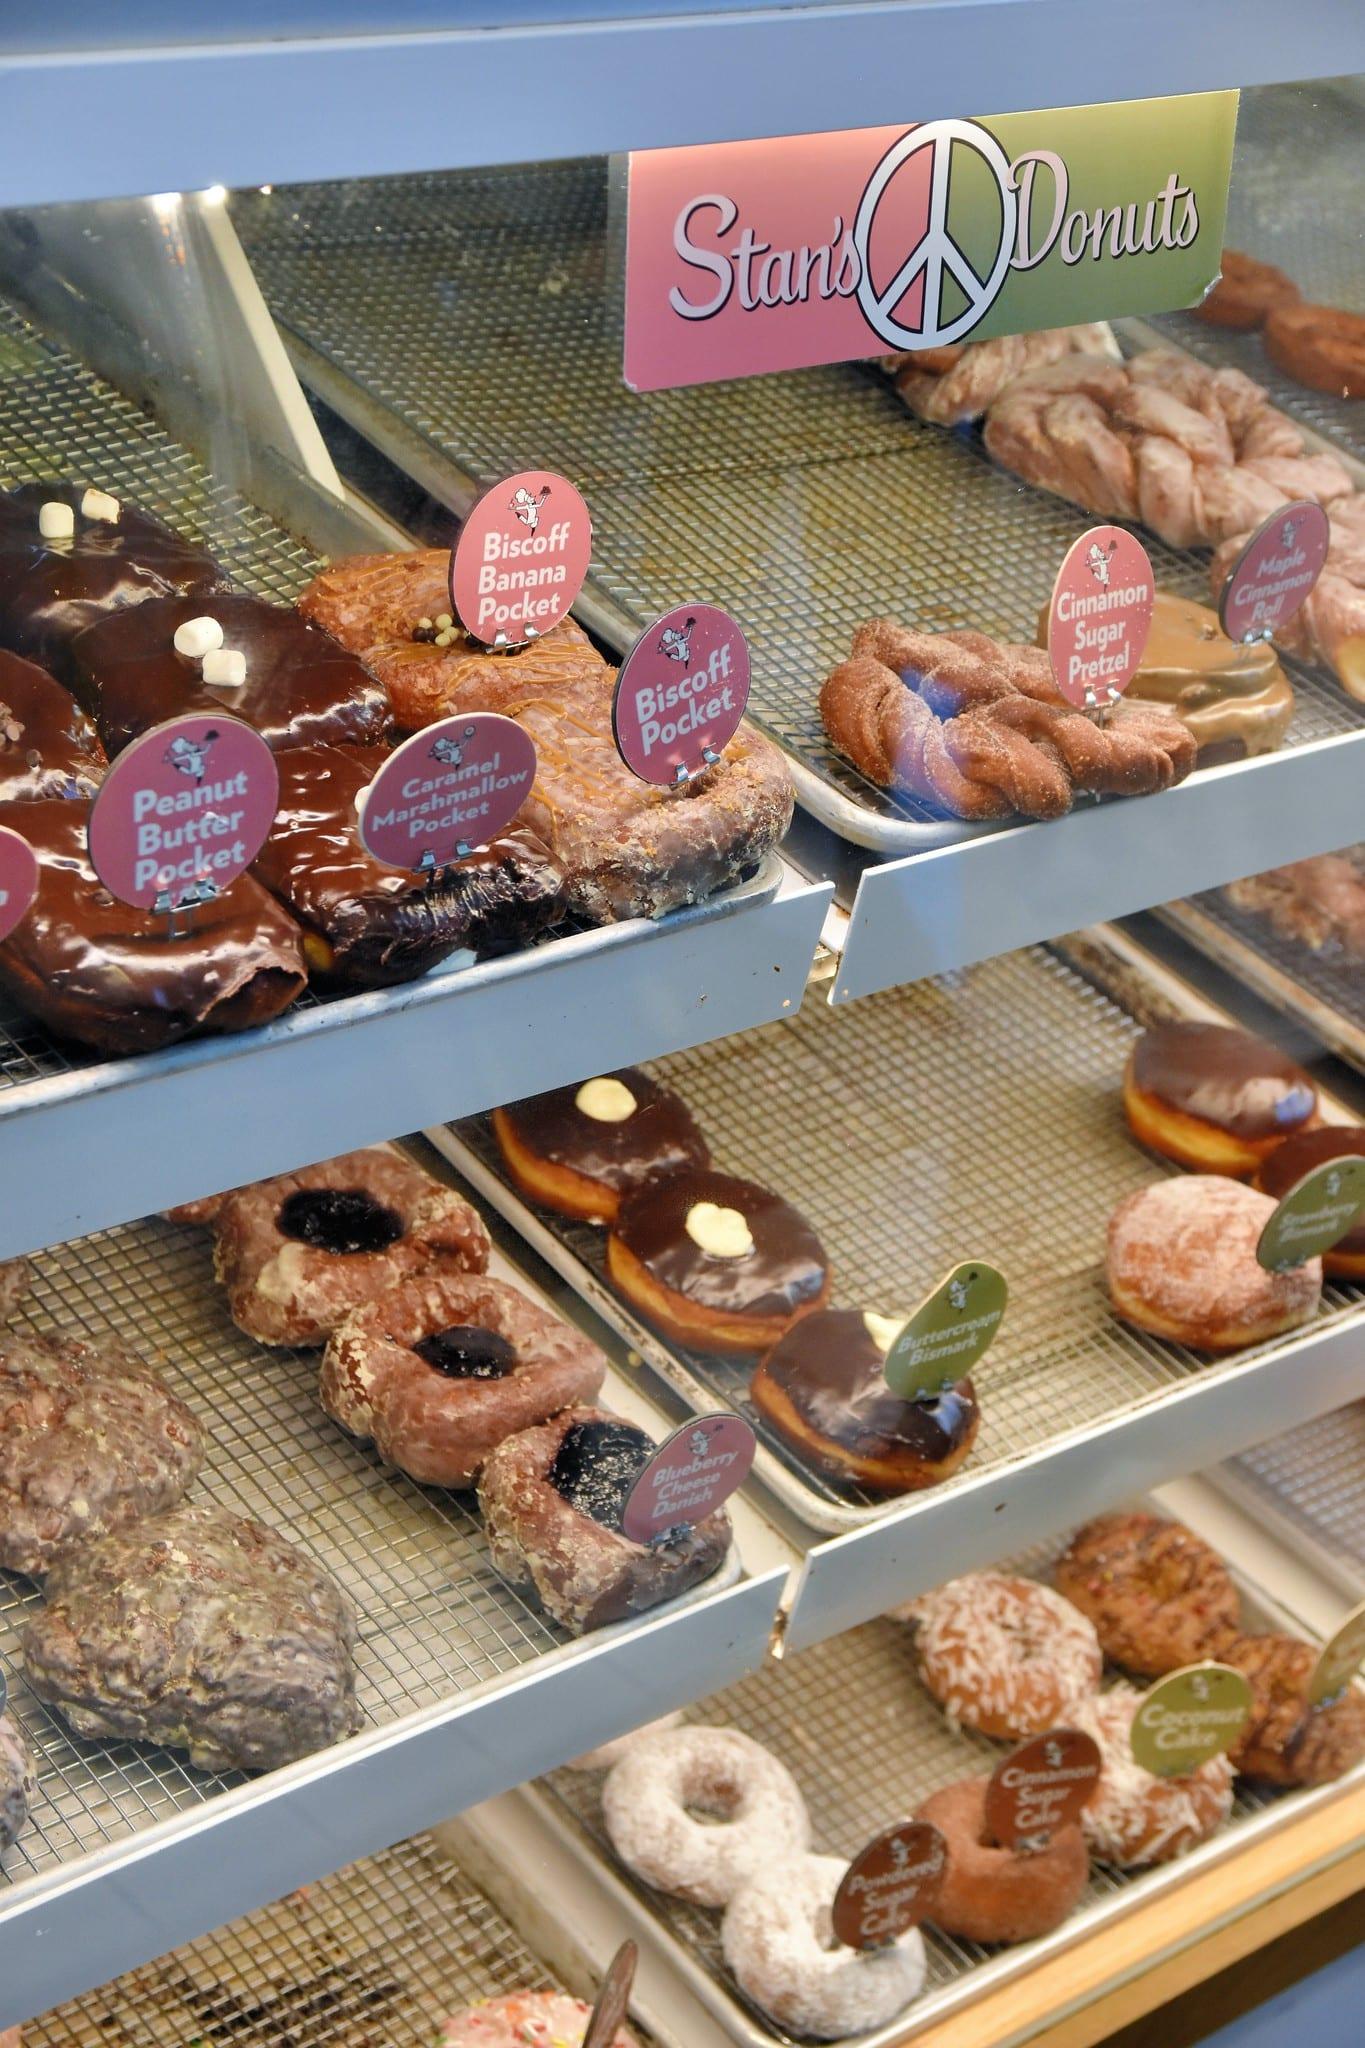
pixel 480 313
pixel 435 1619
pixel 975 1115
pixel 1312 1481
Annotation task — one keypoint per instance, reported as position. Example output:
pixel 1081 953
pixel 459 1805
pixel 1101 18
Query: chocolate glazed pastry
pixel 1213 1097
pixel 552 1499
pixel 822 1389
pixel 51 589
pixel 48 746
pixel 1285 1168
pixel 112 977
pixel 300 686
pixel 368 926
pixel 581 1149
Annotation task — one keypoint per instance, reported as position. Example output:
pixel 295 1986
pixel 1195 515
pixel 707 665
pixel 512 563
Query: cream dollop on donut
pixel 756 1816
pixel 721 1232
pixel 606 1100
pixel 883 1330
pixel 778 1942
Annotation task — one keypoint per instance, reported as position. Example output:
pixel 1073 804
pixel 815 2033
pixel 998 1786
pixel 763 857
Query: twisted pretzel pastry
pixel 1330 625
pixel 949 386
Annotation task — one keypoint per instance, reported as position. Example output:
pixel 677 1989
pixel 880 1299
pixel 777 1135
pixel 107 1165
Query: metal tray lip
pixel 1339 1033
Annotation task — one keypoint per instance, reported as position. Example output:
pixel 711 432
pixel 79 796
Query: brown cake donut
pixel 298 1253
pixel 993 1894
pixel 1320 346
pixel 1134 1819
pixel 1286 1166
pixel 1246 292
pixel 580 1149
pixel 552 1499
pixel 48 746
pixel 822 1389
pixel 1213 1097
pixel 712 1299
pixel 1182 1264
pixel 1004 1655
pixel 439 1369
pixel 1159 1597
pixel 1288 1741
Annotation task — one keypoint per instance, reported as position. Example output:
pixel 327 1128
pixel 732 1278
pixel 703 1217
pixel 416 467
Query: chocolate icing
pixel 339 1220
pixel 659 1137
pixel 597 1464
pixel 464 1352
pixel 1288 1163
pixel 1225 1077
pixel 50 590
pixel 832 1373
pixel 785 1269
pixel 301 685
pixel 47 744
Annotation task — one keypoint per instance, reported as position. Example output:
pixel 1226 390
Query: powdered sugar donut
pixel 1134 1818
pixel 523 2019
pixel 775 1937
pixel 608 1753
pixel 758 1817
pixel 1182 1264
pixel 1005 1656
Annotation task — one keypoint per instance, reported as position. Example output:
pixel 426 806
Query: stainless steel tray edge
pixel 1339 1033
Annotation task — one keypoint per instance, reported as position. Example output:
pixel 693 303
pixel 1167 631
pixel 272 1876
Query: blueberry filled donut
pixel 990 1893
pixel 695 1812
pixel 1289 1741
pixel 1133 1818
pixel 776 1942
pixel 580 1150
pixel 521 2019
pixel 298 1253
pixel 1213 1097
pixel 552 1498
pixel 1159 1596
pixel 439 1369
pixel 716 1263
pixel 1004 1656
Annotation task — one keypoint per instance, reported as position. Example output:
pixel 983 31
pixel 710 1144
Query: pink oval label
pixel 692 1473
pixel 183 812
pixel 18 879
pixel 448 789
pixel 1275 571
pixel 681 693
pixel 520 559
pixel 1100 616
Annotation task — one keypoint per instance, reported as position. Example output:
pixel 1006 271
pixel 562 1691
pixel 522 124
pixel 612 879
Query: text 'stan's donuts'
pixel 1005 1656
pixel 1159 1596
pixel 755 1816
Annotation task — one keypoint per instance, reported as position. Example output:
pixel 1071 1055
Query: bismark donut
pixel 1160 1597
pixel 1286 1167
pixel 995 1894
pixel 775 1939
pixel 1182 1264
pixel 1288 1741
pixel 581 1149
pixel 1133 1818
pixel 1004 1656
pixel 1214 1098
pixel 755 1815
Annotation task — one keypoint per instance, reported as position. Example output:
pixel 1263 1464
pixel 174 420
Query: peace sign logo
pixel 936 258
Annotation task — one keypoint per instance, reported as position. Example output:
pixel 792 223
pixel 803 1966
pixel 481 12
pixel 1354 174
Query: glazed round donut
pixel 1133 1818
pixel 1287 1165
pixel 608 1753
pixel 1246 293
pixel 758 1817
pixel 1182 1264
pixel 1320 346
pixel 580 1149
pixel 1160 1597
pixel 1287 1741
pixel 774 1939
pixel 439 1369
pixel 994 1894
pixel 1005 1656
pixel 1214 1098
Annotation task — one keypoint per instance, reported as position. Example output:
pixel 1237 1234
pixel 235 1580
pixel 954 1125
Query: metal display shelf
pixel 287 1093
pixel 1307 1488
pixel 463 1685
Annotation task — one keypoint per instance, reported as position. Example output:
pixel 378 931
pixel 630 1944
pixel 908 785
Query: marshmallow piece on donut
pixel 774 1939
pixel 56 521
pixel 760 1818
pixel 606 1099
pixel 194 638
pixel 100 505
pixel 608 1753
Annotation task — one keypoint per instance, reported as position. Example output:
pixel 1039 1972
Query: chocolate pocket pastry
pixel 1182 1264
pixel 552 1498
pixel 438 1370
pixel 53 583
pixel 298 1253
pixel 48 747
pixel 822 1388
pixel 113 977
pixel 581 1150
pixel 228 653
pixel 366 925
pixel 1286 1166
pixel 1213 1097
pixel 1289 1741
pixel 715 1263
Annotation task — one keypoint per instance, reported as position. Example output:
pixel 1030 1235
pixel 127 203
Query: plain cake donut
pixel 776 1941
pixel 990 1893
pixel 1005 1656
pixel 756 1817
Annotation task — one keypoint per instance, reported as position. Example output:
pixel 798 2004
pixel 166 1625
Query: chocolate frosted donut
pixel 1213 1097
pixel 823 1389
pixel 300 686
pixel 581 1149
pixel 1286 1166
pixel 716 1263
pixel 1159 1596
pixel 48 746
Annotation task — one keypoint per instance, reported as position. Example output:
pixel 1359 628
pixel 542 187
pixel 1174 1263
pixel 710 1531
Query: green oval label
pixel 948 1334
pixel 1189 1717
pixel 1339 1659
pixel 1317 1211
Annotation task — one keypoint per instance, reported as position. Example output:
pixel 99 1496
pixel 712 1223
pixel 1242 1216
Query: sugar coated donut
pixel 775 1937
pixel 608 1753
pixel 994 1894
pixel 1134 1818
pixel 756 1817
pixel 1159 1597
pixel 521 2019
pixel 1213 1097
pixel 1005 1656
pixel 1288 1741
pixel 1182 1264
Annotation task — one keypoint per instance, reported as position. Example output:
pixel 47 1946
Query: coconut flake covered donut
pixel 1005 1656
pixel 756 1816
pixel 1134 1818
pixel 778 1943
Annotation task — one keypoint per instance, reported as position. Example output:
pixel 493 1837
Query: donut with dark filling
pixel 1214 1097
pixel 1286 1166
pixel 581 1149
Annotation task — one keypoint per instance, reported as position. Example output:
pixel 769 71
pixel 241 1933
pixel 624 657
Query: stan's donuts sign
pixel 770 255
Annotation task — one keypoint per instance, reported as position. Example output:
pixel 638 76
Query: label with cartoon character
pixel 183 812
pixel 1188 1717
pixel 1275 572
pixel 520 558
pixel 692 1473
pixel 1042 1786
pixel 451 787
pixel 948 1334
pixel 18 879
pixel 681 694
pixel 1339 1659
pixel 1100 616
pixel 1318 1211
pixel 890 1886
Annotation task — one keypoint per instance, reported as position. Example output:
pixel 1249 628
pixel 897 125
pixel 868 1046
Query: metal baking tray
pixel 866 1743
pixel 1307 1488
pixel 466 321
pixel 973 1115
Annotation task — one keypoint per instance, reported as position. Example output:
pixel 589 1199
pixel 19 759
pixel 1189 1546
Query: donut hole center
pixel 713 1802
pixel 466 1352
pixel 596 1465
pixel 342 1221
